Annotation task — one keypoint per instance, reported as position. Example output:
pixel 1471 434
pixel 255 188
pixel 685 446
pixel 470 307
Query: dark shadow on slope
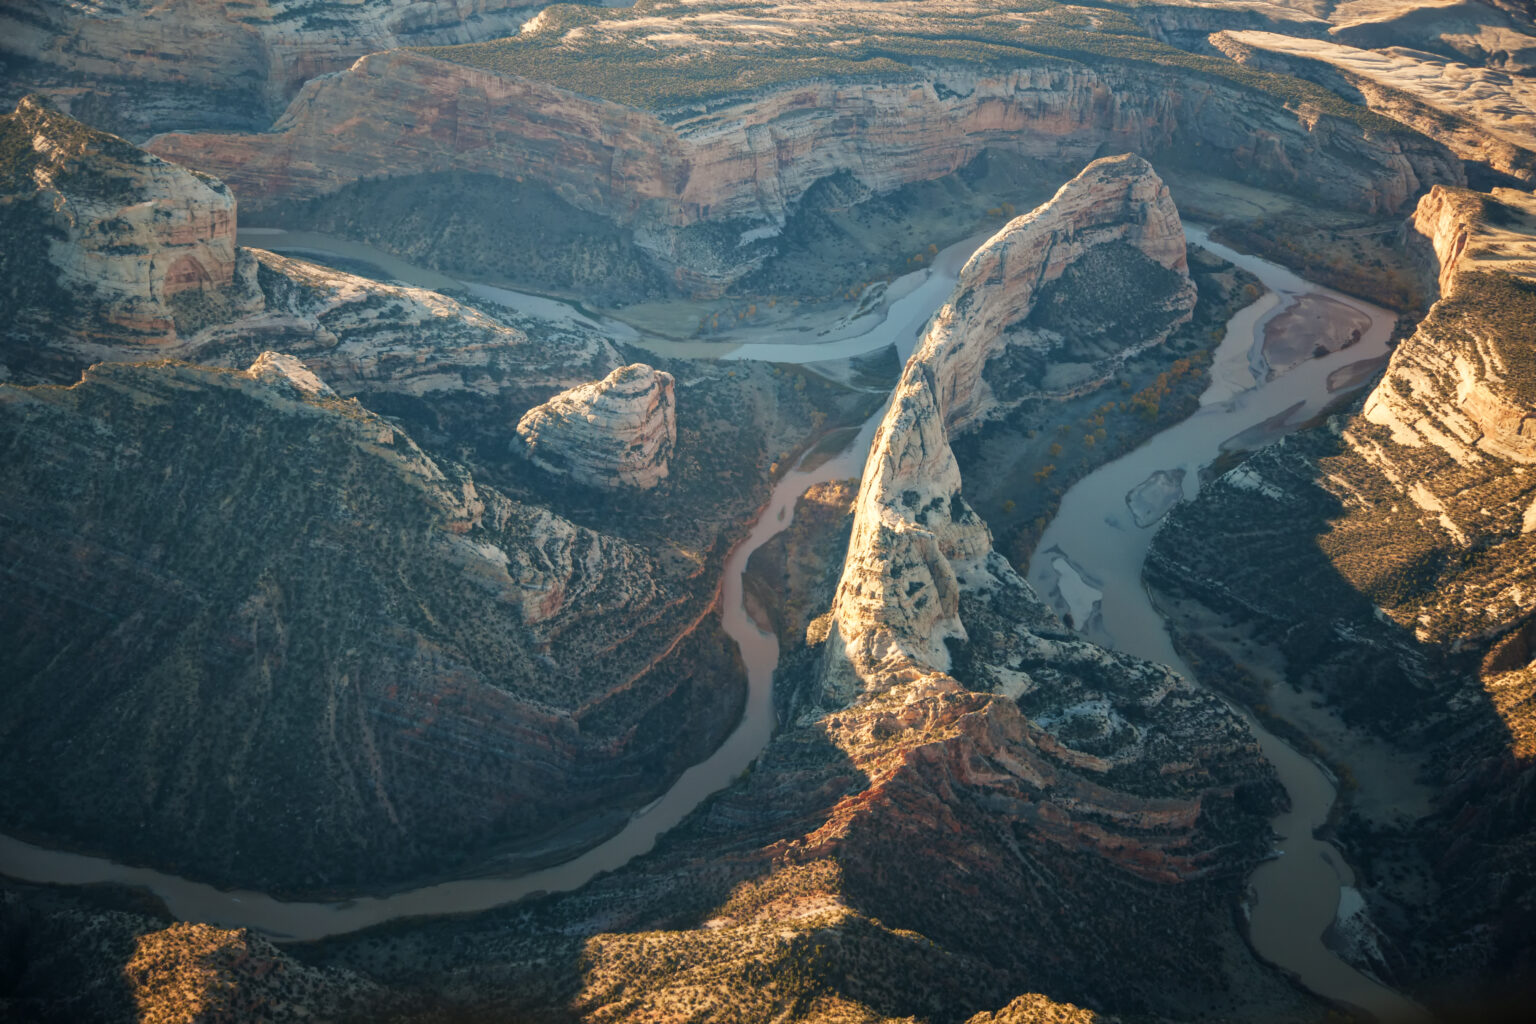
pixel 1280 565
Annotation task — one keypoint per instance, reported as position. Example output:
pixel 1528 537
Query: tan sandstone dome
pixel 616 432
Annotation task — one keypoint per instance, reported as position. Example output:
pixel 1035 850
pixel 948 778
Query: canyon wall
pixel 1482 115
pixel 140 67
pixel 304 653
pixel 739 163
pixel 926 614
pixel 914 536
pixel 1388 557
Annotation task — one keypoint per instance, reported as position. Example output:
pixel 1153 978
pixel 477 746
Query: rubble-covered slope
pixel 1389 556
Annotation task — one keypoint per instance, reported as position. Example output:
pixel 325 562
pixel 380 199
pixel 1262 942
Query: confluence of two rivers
pixel 1092 545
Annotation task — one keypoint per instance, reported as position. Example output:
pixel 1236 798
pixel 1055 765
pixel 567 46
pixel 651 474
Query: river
pixel 1088 561
pixel 898 321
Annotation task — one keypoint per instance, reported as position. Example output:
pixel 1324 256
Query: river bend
pixel 1088 562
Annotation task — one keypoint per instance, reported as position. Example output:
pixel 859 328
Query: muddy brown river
pixel 1088 562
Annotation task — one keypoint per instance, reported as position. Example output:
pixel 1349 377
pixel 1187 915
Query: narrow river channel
pixel 1089 562
pixel 897 322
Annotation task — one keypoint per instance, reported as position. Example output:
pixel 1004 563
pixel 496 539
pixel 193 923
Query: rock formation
pixel 692 163
pixel 914 535
pixel 1482 115
pixel 1390 557
pixel 943 672
pixel 103 234
pixel 109 250
pixel 616 432
pixel 282 610
pixel 138 67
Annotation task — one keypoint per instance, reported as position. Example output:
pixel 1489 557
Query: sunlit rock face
pixel 934 634
pixel 111 253
pixel 121 235
pixel 914 535
pixel 616 432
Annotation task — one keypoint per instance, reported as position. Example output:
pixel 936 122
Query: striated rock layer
pixel 616 432
pixel 141 67
pixel 1390 558
pixel 947 682
pixel 692 163
pixel 110 250
pixel 1482 115
pixel 102 234
pixel 914 536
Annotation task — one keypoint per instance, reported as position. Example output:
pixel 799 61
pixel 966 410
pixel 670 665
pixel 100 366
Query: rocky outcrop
pixel 110 250
pixel 692 165
pixel 927 617
pixel 616 432
pixel 1390 558
pixel 123 236
pixel 1032 315
pixel 139 67
pixel 914 535
pixel 949 745
pixel 350 662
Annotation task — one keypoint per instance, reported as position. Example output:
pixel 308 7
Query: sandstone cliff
pixel 110 251
pixel 693 163
pixel 914 535
pixel 1482 115
pixel 1388 557
pixel 103 236
pixel 616 432
pixel 140 67
pixel 945 682
pixel 963 792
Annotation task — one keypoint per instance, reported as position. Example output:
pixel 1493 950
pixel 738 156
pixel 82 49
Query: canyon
pixel 1393 586
pixel 492 613
pixel 702 170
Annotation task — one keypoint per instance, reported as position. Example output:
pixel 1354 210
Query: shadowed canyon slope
pixel 333 587
pixel 323 655
pixel 1387 558
pixel 303 652
pixel 1025 775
